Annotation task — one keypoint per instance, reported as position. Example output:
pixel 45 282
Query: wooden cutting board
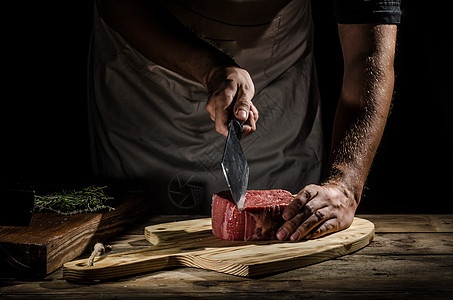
pixel 191 244
pixel 52 239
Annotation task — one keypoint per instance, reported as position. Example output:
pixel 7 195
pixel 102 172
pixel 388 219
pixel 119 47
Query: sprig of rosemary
pixel 89 199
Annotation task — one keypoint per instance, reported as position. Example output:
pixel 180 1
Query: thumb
pixel 242 106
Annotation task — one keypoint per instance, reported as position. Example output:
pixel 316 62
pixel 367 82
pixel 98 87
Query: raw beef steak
pixel 259 220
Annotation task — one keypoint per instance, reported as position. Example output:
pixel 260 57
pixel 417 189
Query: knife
pixel 234 164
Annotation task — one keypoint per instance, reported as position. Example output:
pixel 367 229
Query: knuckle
pixel 320 215
pixel 288 213
pixel 246 130
pixel 226 98
pixel 309 208
pixel 295 205
pixel 303 230
pixel 312 187
pixel 245 84
pixel 248 90
pixel 243 103
pixel 223 95
pixel 293 224
pixel 309 191
pixel 327 227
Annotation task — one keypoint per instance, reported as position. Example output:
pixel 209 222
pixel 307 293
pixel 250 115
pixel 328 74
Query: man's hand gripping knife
pixel 230 87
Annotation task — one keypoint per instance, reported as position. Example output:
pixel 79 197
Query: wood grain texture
pixel 406 263
pixel 191 244
pixel 411 223
pixel 53 239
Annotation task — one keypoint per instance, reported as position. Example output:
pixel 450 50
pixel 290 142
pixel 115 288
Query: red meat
pixel 259 220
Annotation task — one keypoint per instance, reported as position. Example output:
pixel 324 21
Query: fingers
pixel 329 226
pixel 233 95
pixel 314 220
pixel 243 102
pixel 292 214
pixel 301 199
pixel 221 116
pixel 308 216
pixel 250 125
pixel 220 112
pixel 316 211
pixel 219 107
pixel 244 110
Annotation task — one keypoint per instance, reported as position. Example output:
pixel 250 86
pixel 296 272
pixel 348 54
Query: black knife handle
pixel 236 125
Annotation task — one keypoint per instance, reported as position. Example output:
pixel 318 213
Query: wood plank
pixel 411 223
pixel 421 243
pixel 387 269
pixel 52 239
pixel 442 223
pixel 191 243
pixel 348 277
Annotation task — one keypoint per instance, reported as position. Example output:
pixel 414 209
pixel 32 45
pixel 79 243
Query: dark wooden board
pixel 52 239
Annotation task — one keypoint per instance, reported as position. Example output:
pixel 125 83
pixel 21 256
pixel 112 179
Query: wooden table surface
pixel 411 257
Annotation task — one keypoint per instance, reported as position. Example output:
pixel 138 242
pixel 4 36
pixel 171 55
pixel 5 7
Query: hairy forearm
pixel 363 106
pixel 158 36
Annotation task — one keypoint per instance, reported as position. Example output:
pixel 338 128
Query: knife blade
pixel 234 164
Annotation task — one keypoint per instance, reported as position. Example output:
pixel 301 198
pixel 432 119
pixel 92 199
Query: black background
pixel 44 122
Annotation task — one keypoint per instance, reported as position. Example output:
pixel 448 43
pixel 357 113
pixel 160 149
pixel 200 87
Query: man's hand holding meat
pixel 368 53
